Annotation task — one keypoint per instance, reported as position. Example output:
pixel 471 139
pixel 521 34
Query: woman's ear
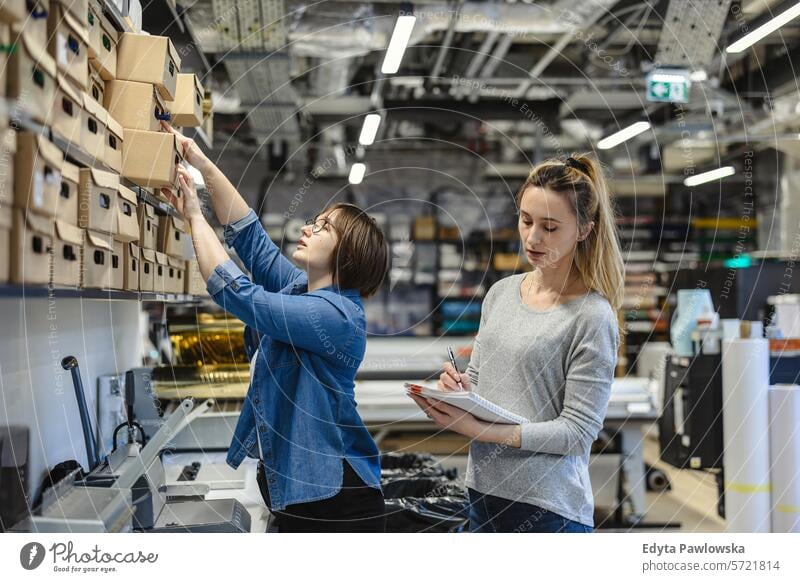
pixel 585 231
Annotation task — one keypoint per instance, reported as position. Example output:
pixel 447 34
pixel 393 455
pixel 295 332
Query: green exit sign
pixel 668 86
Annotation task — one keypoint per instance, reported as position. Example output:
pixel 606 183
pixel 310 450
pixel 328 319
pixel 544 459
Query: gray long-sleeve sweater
pixel 554 367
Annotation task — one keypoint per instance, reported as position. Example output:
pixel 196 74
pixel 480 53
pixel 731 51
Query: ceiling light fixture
pixel 397 44
pixel 623 135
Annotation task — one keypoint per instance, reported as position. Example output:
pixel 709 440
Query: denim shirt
pixel 301 400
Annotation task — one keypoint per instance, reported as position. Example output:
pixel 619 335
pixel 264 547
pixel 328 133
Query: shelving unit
pixel 39 291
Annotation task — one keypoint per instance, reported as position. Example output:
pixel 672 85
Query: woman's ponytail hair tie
pixel 571 162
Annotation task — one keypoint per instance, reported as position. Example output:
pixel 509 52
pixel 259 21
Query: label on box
pixel 38 189
pixel 61 49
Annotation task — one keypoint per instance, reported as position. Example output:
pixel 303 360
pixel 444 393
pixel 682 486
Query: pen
pixel 453 362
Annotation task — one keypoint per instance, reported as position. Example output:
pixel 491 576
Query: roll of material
pixel 294 229
pixel 745 427
pixel 784 444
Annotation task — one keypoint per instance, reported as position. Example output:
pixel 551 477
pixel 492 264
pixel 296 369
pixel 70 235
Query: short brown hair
pixel 361 256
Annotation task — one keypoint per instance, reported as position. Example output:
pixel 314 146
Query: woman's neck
pixel 318 280
pixel 557 280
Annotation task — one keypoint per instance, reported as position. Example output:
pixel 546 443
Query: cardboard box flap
pixel 161 258
pixel 38 54
pixel 64 86
pixel 128 195
pixel 99 241
pixel 133 249
pixel 148 255
pixel 199 88
pixel 69 232
pixel 108 28
pixel 178 224
pixel 49 151
pixel 94 108
pixel 149 210
pixel 39 224
pixel 105 179
pixel 113 125
pixel 71 172
pixel 173 53
pixel 176 262
pixel 76 26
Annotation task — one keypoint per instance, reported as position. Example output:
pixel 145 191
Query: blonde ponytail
pixel 598 256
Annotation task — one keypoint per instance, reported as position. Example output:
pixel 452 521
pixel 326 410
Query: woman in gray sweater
pixel 546 350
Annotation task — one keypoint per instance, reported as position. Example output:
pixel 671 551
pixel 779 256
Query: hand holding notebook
pixel 478 406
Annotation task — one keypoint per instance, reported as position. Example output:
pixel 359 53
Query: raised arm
pixel 243 230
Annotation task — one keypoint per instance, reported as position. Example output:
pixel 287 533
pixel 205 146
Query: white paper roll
pixel 784 445
pixel 745 427
pixel 294 229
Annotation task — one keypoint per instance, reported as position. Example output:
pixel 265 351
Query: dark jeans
pixel 490 514
pixel 356 508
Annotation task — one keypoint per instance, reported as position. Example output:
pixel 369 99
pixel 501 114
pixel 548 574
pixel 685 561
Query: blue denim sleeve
pixel 311 322
pixel 259 254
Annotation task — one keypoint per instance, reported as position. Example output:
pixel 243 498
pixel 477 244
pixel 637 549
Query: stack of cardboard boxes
pixel 100 94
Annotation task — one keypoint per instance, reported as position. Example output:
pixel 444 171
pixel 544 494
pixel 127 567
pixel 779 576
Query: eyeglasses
pixel 318 224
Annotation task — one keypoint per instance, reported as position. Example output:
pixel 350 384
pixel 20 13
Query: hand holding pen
pixel 452 379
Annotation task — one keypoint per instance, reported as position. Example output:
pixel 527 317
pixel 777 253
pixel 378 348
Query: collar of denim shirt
pixel 302 287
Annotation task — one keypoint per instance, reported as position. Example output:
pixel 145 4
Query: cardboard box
pixel 8 149
pixel 135 105
pixel 160 275
pixel 34 22
pixel 31 246
pixel 172 236
pixel 127 219
pixel 187 107
pixel 76 8
pixel 6 218
pixel 37 173
pixel 113 157
pixel 148 270
pixel 117 264
pixel 149 158
pixel 194 283
pixel 102 43
pixel 132 266
pixel 67 112
pixel 98 201
pixel 12 10
pixel 69 193
pixel 148 227
pixel 68 43
pixel 176 270
pixel 67 250
pixel 149 59
pixel 96 271
pixel 32 76
pixel 97 87
pixel 93 136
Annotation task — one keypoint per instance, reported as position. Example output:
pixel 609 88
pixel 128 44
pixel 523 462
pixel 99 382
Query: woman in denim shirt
pixel 319 467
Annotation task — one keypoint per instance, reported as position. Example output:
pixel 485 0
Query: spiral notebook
pixel 470 402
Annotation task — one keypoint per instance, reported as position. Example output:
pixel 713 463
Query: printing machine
pixel 128 490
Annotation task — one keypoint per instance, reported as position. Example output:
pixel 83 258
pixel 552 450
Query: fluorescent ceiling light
pixel 768 27
pixel 357 173
pixel 717 174
pixel 622 135
pixel 369 129
pixel 699 75
pixel 397 44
